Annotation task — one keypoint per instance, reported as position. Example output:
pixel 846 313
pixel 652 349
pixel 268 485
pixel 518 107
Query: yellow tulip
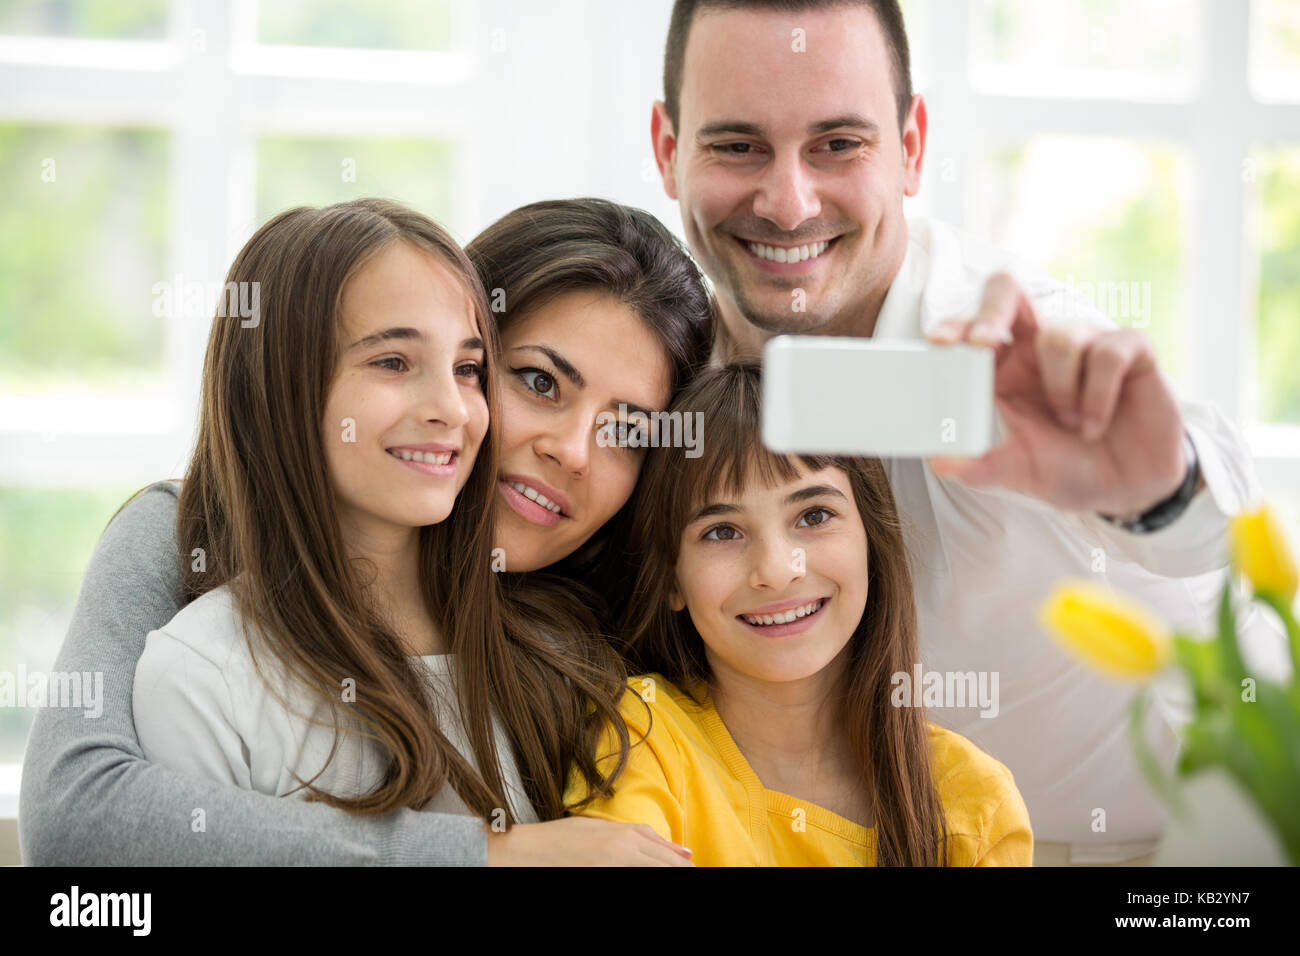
pixel 1108 631
pixel 1260 552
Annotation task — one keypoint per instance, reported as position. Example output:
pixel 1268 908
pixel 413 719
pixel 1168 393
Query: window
pixel 1148 141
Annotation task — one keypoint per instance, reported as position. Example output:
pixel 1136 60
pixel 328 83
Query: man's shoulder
pixel 959 263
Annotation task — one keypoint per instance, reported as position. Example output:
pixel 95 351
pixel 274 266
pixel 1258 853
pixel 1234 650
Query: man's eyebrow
pixel 847 121
pixel 566 369
pixel 741 128
pixel 802 494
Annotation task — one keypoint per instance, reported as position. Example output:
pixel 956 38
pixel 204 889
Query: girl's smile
pixel 435 460
pixel 788 617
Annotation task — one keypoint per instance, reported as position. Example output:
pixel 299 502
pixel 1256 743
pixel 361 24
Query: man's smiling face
pixel 794 156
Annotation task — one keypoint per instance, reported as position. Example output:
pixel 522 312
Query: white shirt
pixel 203 708
pixel 984 560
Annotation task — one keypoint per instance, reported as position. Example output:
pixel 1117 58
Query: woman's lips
pixel 526 508
pixel 797 626
pixel 430 469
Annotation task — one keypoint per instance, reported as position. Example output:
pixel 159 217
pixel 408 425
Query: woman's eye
pixel 538 381
pixel 380 363
pixel 721 532
pixel 821 516
pixel 471 369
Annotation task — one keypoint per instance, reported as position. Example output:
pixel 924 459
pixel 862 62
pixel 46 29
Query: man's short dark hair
pixel 888 15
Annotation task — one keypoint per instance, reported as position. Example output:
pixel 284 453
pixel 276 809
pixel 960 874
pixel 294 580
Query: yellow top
pixel 689 780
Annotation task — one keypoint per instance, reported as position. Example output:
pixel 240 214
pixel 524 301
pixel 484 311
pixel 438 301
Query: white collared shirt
pixel 984 560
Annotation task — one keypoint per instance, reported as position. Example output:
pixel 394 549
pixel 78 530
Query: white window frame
pixel 1218 128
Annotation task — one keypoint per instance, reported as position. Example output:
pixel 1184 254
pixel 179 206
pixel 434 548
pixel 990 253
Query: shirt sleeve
pixel 1007 839
pixel 644 791
pixel 1197 541
pixel 90 797
pixel 185 715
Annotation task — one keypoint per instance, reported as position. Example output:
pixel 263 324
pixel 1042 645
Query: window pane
pixel 1131 49
pixel 118 20
pixel 1104 216
pixel 39 582
pixel 916 21
pixel 1277 226
pixel 392 25
pixel 1275 49
pixel 316 171
pixel 84 214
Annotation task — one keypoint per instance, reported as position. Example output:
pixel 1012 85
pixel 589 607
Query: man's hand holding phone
pixel 1092 425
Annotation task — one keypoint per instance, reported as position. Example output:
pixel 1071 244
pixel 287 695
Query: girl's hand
pixel 584 841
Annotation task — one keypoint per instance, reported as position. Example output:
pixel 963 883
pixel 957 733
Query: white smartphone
pixel 855 396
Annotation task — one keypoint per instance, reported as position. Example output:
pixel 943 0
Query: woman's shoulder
pixel 653 703
pixel 966 775
pixel 974 786
pixel 209 627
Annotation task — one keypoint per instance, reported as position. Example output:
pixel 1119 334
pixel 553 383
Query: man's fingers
pixel 1004 311
pixel 1060 350
pixel 1107 363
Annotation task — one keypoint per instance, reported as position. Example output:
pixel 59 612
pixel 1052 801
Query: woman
pixel 88 794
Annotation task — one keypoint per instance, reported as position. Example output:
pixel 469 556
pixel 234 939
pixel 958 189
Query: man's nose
pixel 787 193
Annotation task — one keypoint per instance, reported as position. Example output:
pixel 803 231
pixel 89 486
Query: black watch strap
pixel 1166 512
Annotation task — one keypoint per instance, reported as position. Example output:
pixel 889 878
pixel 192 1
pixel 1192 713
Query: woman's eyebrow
pixel 813 491
pixel 565 367
pixel 405 334
pixel 717 508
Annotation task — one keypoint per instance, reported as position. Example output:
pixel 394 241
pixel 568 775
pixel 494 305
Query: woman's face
pixel 568 365
pixel 776 578
pixel 406 414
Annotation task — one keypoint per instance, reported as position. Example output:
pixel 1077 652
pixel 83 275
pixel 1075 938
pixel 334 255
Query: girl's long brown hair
pixel 892 743
pixel 257 511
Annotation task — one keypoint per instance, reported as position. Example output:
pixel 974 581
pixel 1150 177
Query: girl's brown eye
pixel 825 513
pixel 730 533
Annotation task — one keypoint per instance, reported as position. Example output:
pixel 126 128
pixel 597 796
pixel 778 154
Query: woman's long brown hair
pixel 257 511
pixel 892 743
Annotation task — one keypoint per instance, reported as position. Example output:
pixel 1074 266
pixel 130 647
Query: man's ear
pixel 675 599
pixel 664 142
pixel 914 131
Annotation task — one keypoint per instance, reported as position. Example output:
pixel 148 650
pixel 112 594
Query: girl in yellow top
pixel 771 611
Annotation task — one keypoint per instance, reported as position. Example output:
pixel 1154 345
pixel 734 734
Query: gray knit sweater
pixel 89 796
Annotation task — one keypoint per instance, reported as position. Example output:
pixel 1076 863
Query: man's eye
pixel 380 363
pixel 721 532
pixel 846 145
pixel 535 380
pixel 733 149
pixel 822 515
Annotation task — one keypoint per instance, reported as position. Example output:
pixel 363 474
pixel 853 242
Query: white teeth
pixel 781 254
pixel 785 617
pixel 534 495
pixel 432 458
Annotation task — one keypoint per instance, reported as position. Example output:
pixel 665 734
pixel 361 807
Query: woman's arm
pixel 89 796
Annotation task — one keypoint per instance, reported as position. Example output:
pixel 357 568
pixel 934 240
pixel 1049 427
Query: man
pixel 789 135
